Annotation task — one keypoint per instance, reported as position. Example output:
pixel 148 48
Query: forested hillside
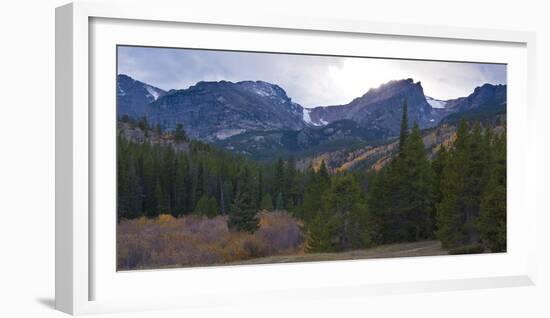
pixel 458 198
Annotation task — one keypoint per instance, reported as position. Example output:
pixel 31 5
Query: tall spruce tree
pixel 291 185
pixel 180 187
pixel 134 195
pixel 267 202
pixel 161 199
pixel 279 183
pixel 401 196
pixel 318 183
pixel 345 201
pixel 319 230
pixel 243 217
pixel 418 193
pixel 123 196
pixel 279 203
pixel 492 220
pixel 451 210
pixel 475 181
pixel 319 223
pixel 202 207
pixel 149 180
pixel 440 161
pixel 324 176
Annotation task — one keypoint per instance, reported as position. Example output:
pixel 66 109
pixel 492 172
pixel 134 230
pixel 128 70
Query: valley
pixel 238 173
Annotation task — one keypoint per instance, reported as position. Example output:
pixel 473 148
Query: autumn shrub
pixel 280 231
pixel 254 247
pixel 195 240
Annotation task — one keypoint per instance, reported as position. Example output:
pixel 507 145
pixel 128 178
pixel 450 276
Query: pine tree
pixel 279 182
pixel 291 185
pixel 260 187
pixel 181 188
pixel 346 202
pixel 199 183
pixel 167 178
pixel 243 217
pixel 225 204
pixel 267 202
pixel 213 208
pixel 222 198
pixel 134 195
pixel 492 220
pixel 452 210
pixel 324 176
pixel 463 183
pixel 179 134
pixel 418 182
pixel 475 181
pixel 378 200
pixel 279 204
pixel 150 203
pixel 439 163
pixel 162 204
pixel 123 196
pixel 318 184
pixel 203 206
pixel 319 232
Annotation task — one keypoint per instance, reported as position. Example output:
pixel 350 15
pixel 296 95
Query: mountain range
pixel 259 118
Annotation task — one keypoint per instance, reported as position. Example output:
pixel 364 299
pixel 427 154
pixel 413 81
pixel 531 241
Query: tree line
pixel 459 197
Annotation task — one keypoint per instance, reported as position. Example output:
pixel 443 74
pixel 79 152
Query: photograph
pixel 241 157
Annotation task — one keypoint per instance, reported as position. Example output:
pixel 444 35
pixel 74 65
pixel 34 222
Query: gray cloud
pixel 308 80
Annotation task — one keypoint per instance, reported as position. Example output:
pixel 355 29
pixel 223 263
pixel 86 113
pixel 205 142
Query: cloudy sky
pixel 308 80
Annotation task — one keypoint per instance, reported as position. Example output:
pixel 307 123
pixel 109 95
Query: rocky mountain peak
pixel 134 96
pixel 486 93
pixel 396 88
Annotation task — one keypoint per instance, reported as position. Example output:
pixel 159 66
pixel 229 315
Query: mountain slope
pixel 218 110
pixel 381 108
pixel 481 95
pixel 487 102
pixel 269 145
pixel 133 97
pixel 258 118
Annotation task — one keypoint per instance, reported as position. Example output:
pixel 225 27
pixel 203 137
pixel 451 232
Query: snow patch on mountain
pixel 226 133
pixel 436 103
pixel 307 118
pixel 264 92
pixel 152 92
pixel 121 92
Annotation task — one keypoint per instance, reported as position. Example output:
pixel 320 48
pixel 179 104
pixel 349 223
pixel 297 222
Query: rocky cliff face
pixel 382 108
pixel 259 119
pixel 481 96
pixel 266 145
pixel 218 110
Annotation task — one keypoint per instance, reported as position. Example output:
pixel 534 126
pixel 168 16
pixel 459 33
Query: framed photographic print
pixel 221 157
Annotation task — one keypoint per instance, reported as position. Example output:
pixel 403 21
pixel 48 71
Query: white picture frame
pixel 78 67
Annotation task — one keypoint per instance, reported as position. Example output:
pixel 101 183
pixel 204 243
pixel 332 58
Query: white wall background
pixel 27 158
